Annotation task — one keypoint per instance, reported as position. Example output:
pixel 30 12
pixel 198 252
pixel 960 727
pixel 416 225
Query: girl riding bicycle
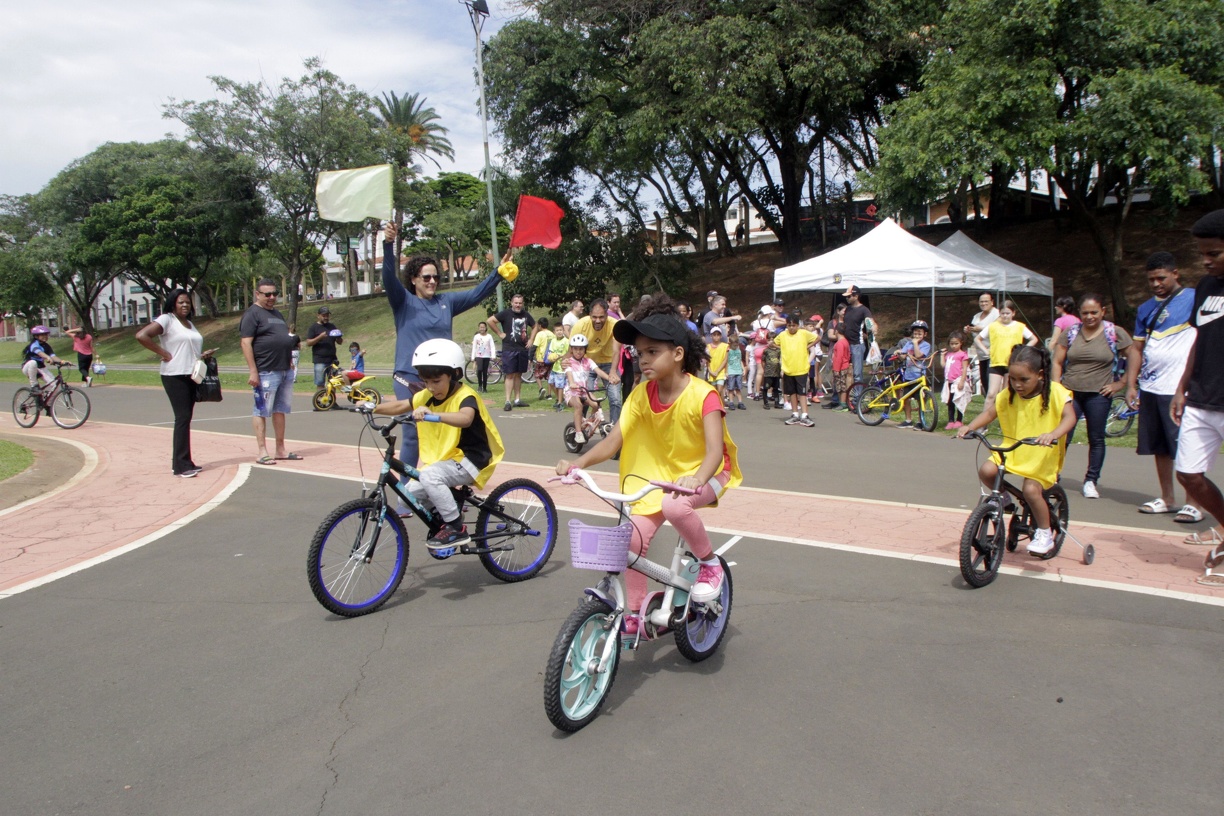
pixel 1045 411
pixel 578 369
pixel 672 430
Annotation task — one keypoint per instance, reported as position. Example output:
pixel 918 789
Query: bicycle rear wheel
pixel 529 374
pixel 1060 517
pixel 70 408
pixel 356 561
pixel 1117 424
pixel 870 408
pixel 525 513
pixel 928 410
pixel 706 624
pixel 365 395
pixel 26 407
pixel 574 689
pixel 981 544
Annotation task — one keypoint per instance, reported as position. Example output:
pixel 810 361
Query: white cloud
pixel 79 74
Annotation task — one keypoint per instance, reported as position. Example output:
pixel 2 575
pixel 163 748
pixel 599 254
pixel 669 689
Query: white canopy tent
pixel 890 261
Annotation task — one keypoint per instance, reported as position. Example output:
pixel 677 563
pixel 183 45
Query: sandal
pixel 293 457
pixel 1189 514
pixel 1210 538
pixel 1155 506
pixel 265 460
pixel 1210 576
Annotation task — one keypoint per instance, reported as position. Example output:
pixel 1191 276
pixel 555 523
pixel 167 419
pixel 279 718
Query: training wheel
pixel 1089 554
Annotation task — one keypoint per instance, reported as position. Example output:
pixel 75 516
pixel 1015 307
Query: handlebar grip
pixel 674 488
pixel 431 418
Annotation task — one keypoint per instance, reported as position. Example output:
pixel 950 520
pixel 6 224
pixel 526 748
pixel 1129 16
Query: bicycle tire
pixel 323 399
pixel 495 373
pixel 70 408
pixel 573 692
pixel 533 507
pixel 852 395
pixel 529 374
pixel 1056 499
pixel 571 443
pixel 981 545
pixel 341 578
pixel 870 413
pixel 706 625
pixel 1114 425
pixel 365 395
pixel 26 407
pixel 928 418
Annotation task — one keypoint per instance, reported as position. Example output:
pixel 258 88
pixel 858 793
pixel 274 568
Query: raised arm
pixel 397 295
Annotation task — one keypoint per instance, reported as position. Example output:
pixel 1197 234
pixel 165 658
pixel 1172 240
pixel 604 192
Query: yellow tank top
pixel 440 442
pixel 1002 338
pixel 667 445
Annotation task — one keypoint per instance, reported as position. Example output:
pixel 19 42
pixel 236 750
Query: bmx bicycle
pixel 67 405
pixel 593 423
pixel 987 533
pixel 354 384
pixel 359 553
pixel 584 658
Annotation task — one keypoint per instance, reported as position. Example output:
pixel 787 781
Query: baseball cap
pixel 716 330
pixel 779 302
pixel 766 310
pixel 853 290
pixel 709 295
pixel 656 327
pixel 324 310
pixel 815 318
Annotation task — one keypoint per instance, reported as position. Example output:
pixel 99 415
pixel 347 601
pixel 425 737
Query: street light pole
pixel 478 10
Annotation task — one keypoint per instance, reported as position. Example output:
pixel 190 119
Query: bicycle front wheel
pixel 570 436
pixel 706 624
pixel 323 399
pixel 981 545
pixel 70 408
pixel 870 408
pixel 26 407
pixel 928 410
pixel 1118 423
pixel 574 688
pixel 521 515
pixel 356 561
pixel 529 374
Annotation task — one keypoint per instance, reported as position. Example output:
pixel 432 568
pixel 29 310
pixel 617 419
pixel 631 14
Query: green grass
pixel 14 459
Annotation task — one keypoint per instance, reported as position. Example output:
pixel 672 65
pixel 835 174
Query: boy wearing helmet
pixel 459 446
pixel 916 351
pixel 578 369
pixel 36 355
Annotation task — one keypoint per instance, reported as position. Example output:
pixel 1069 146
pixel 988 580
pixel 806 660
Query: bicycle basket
pixel 600 548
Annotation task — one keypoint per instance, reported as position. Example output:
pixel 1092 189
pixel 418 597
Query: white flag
pixel 354 195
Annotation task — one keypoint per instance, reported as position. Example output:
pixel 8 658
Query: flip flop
pixel 1155 506
pixel 1189 514
pixel 1211 538
pixel 1210 579
pixel 293 457
pixel 1214 559
pixel 265 460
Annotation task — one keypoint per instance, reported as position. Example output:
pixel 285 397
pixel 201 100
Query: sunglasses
pixel 430 277
pixel 273 293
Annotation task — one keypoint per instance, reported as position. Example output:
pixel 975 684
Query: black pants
pixel 181 391
pixel 482 372
pixel 954 413
pixel 84 361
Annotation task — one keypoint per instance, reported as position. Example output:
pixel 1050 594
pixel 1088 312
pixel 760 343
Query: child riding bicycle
pixel 36 355
pixel 578 369
pixel 1045 411
pixel 461 448
pixel 672 430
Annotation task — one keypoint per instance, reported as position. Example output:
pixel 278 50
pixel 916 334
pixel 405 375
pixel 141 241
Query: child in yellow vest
pixel 1044 410
pixel 717 351
pixel 459 445
pixel 672 430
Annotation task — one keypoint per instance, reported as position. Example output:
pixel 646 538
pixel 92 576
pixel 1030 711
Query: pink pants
pixel 681 511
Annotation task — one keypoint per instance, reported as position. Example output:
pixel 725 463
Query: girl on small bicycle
pixel 36 355
pixel 578 368
pixel 672 430
pixel 1045 411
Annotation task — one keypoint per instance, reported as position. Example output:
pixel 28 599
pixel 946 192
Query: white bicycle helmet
pixel 579 341
pixel 439 353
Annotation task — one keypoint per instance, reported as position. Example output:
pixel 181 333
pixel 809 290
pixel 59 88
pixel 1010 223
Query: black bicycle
pixel 67 405
pixel 359 553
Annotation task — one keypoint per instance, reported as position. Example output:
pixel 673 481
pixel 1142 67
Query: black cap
pixel 853 290
pixel 656 327
pixel 779 302
pixel 710 294
pixel 324 310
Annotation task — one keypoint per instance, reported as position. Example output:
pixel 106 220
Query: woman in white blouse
pixel 174 338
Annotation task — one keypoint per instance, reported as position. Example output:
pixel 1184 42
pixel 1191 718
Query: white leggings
pixel 31 370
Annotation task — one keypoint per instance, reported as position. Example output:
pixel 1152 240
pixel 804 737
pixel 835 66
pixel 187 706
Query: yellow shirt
pixel 718 360
pixel 667 445
pixel 543 338
pixel 1002 338
pixel 440 442
pixel 1020 418
pixel 560 349
pixel 795 351
pixel 600 348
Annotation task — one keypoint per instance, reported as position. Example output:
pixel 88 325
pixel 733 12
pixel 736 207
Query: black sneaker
pixel 508 407
pixel 829 406
pixel 767 405
pixel 449 537
pixel 521 404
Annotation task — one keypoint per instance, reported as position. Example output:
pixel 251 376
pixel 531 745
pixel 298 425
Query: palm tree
pixel 412 130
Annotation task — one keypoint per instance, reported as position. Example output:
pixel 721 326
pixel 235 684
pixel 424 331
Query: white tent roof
pixel 888 259
pixel 1016 279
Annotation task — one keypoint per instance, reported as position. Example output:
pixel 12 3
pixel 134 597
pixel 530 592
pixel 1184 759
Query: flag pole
pixel 478 10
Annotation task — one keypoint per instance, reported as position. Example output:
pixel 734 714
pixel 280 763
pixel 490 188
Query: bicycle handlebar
pixel 981 437
pixel 577 474
pixel 402 419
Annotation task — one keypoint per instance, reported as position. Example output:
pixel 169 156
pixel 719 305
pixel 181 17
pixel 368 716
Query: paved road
pixel 198 675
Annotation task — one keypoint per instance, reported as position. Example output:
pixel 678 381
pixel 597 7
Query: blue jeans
pixel 409 446
pixel 614 392
pixel 320 374
pixel 1094 408
pixel 858 353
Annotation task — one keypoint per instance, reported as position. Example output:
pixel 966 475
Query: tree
pixel 25 289
pixel 1111 97
pixel 292 133
pixel 410 130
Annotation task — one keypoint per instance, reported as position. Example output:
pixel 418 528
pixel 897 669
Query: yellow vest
pixel 1020 418
pixel 439 442
pixel 1002 339
pixel 667 445
pixel 718 360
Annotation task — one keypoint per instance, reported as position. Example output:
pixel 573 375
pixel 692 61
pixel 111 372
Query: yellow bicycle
pixel 354 384
pixel 877 404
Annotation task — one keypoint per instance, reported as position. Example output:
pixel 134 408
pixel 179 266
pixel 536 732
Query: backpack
pixel 1111 337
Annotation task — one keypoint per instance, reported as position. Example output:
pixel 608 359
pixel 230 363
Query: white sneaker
pixel 580 438
pixel 1042 543
pixel 1090 491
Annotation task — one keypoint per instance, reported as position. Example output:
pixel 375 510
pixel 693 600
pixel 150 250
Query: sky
pixel 75 75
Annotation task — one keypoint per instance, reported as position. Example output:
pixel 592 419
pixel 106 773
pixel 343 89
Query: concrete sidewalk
pixel 124 496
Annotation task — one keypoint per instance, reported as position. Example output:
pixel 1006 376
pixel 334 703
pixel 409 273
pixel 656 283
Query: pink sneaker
pixel 952 426
pixel 709 583
pixel 630 625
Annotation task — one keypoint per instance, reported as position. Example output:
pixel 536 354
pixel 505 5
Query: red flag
pixel 538 221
